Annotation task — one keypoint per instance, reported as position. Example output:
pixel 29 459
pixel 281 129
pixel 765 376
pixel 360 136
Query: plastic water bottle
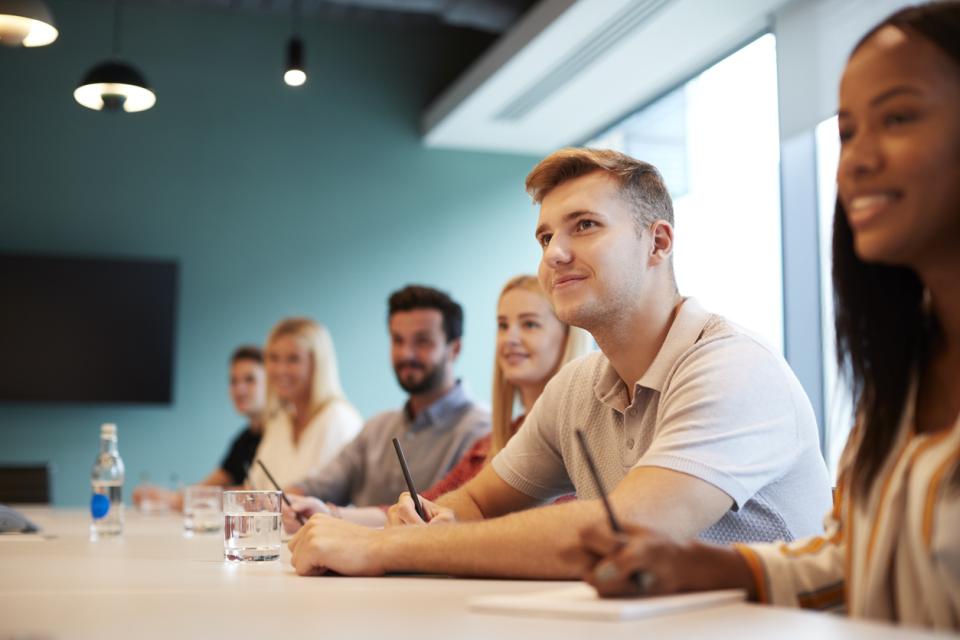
pixel 106 481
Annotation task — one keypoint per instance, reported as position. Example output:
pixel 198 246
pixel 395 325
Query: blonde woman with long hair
pixel 532 345
pixel 308 416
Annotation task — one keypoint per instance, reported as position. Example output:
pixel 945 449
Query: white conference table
pixel 154 582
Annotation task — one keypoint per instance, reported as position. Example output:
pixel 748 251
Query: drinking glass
pixel 201 509
pixel 251 525
pixel 153 499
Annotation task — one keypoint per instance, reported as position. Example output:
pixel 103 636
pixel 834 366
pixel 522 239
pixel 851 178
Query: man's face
pixel 593 262
pixel 247 387
pixel 421 356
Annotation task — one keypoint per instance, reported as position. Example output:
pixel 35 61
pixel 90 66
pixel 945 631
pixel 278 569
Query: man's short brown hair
pixel 415 296
pixel 640 183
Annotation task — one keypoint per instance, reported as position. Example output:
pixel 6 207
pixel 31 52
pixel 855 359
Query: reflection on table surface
pixel 154 581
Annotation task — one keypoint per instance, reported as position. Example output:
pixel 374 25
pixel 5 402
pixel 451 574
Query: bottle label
pixel 99 505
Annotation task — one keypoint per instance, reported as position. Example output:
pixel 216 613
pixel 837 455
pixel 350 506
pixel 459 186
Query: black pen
pixel 409 479
pixel 643 579
pixel 282 494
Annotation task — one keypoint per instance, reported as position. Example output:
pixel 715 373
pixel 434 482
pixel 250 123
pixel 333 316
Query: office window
pixel 716 141
pixel 838 415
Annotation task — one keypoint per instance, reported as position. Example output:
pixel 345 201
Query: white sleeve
pixel 340 424
pixel 805 573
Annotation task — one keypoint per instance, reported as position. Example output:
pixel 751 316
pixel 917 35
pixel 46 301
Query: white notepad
pixel 581 601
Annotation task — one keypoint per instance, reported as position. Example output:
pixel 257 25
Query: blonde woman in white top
pixel 309 419
pixel 891 545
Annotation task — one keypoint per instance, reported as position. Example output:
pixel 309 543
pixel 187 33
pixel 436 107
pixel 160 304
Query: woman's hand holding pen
pixel 405 513
pixel 641 561
pixel 305 506
pixel 634 562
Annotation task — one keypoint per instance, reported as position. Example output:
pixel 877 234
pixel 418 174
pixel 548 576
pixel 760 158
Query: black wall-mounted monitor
pixel 86 329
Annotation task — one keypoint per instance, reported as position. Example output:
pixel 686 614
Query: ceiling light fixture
pixel 115 85
pixel 295 75
pixel 26 23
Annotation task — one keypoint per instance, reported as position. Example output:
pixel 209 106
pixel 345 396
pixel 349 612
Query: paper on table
pixel 581 601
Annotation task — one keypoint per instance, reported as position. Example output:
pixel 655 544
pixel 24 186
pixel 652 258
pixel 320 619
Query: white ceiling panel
pixel 569 68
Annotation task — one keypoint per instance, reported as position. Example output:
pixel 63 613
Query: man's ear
pixel 454 346
pixel 662 246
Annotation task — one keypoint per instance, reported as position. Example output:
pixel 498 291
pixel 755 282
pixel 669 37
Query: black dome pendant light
pixel 115 85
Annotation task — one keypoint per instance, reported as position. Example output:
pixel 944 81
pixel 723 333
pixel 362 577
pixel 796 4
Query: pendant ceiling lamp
pixel 26 23
pixel 295 75
pixel 115 85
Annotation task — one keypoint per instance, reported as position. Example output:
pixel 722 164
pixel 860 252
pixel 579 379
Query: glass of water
pixel 201 509
pixel 251 525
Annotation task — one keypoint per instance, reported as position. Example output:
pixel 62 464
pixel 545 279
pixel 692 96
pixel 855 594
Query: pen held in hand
pixel 406 476
pixel 643 579
pixel 282 494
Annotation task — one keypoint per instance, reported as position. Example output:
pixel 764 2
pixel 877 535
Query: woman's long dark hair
pixel 882 329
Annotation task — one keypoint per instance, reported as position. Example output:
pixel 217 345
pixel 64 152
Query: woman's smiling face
pixel 530 339
pixel 899 172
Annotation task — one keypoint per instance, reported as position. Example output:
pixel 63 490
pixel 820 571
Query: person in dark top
pixel 247 392
pixel 240 455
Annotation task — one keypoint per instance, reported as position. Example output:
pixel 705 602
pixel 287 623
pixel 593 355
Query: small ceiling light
pixel 295 75
pixel 115 85
pixel 26 23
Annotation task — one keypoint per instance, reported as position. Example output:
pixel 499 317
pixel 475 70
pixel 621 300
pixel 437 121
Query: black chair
pixel 25 483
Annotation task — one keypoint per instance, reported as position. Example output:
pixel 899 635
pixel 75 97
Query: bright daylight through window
pixel 716 140
pixel 838 417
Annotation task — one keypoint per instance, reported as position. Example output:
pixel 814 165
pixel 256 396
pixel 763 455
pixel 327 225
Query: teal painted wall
pixel 318 201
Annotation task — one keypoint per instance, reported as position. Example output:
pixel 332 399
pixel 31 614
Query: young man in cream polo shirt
pixel 697 428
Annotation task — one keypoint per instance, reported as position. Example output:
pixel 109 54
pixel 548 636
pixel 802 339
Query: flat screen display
pixel 86 329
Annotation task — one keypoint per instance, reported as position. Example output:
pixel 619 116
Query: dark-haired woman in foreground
pixel 891 549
